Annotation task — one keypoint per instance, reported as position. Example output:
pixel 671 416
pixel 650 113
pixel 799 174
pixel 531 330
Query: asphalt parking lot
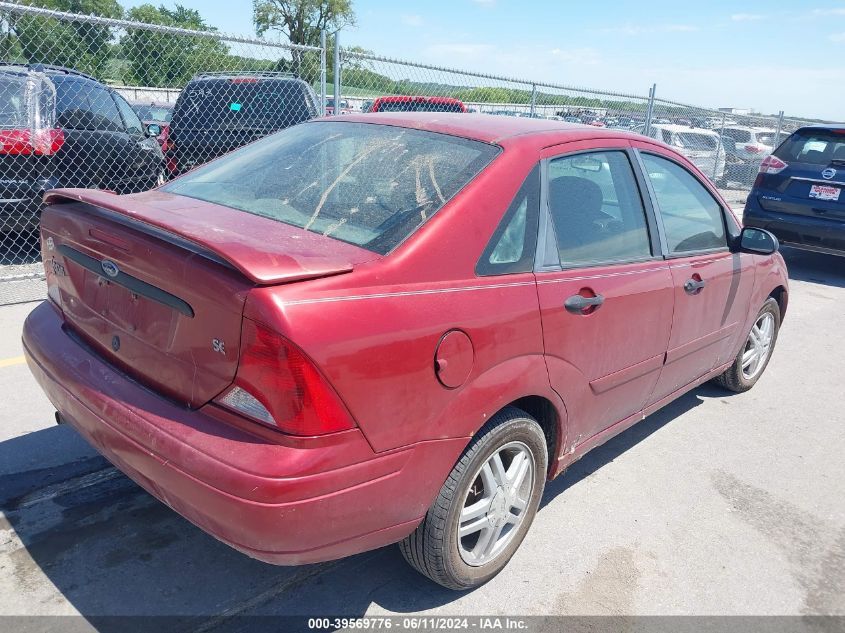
pixel 718 504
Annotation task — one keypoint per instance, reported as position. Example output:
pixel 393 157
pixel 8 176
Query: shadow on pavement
pixel 110 549
pixel 815 267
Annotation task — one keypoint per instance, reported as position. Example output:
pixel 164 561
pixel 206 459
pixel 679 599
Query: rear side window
pixel 369 185
pixel 596 209
pixel 13 101
pixel 692 218
pixel 241 103
pixel 512 247
pixel 816 147
pixel 85 106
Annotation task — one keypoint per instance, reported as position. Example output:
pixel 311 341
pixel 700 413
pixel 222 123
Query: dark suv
pixel 219 112
pixel 799 194
pixel 61 128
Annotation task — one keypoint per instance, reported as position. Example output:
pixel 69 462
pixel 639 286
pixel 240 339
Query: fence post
pixel 718 149
pixel 533 98
pixel 323 73
pixel 649 113
pixel 780 129
pixel 336 109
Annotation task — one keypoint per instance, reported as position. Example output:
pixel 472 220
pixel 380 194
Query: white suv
pixel 752 143
pixel 702 146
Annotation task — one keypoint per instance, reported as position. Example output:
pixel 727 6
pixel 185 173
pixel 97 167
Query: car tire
pixel 435 548
pixel 741 375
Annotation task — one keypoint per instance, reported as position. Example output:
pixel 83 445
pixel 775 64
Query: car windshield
pixel 693 141
pixel 369 185
pixel 816 147
pixel 419 106
pixel 766 138
pixel 154 112
pixel 12 102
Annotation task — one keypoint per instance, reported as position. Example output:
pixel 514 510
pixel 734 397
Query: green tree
pixel 81 45
pixel 301 22
pixel 164 59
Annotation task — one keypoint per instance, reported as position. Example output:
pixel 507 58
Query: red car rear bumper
pixel 303 502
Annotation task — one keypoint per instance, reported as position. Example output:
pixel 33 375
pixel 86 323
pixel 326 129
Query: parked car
pixel 218 112
pixel 417 104
pixel 156 119
pixel 382 327
pixel 751 143
pixel 61 128
pixel 703 147
pixel 345 108
pixel 798 194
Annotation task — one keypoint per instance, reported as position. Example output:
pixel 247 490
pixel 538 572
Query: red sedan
pixel 394 327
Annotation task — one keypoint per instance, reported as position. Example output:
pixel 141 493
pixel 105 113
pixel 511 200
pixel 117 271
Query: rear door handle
pixel 578 304
pixel 691 286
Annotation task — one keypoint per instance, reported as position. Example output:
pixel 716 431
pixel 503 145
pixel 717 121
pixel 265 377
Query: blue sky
pixel 768 55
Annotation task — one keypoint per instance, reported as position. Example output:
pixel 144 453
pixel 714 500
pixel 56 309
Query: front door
pixel 605 291
pixel 712 286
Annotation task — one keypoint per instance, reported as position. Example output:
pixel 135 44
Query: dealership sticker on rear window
pixel 824 192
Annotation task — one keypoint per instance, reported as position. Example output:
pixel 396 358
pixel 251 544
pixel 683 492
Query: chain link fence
pixel 104 103
pixel 123 106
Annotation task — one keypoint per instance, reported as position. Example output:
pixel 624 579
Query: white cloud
pixel 633 29
pixel 837 37
pixel 747 17
pixel 485 3
pixel 829 11
pixel 588 56
pixel 412 20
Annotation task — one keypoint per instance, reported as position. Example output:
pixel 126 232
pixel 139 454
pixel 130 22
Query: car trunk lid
pixel 156 283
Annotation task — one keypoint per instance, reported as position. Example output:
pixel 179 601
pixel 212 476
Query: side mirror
pixel 153 130
pixel 757 241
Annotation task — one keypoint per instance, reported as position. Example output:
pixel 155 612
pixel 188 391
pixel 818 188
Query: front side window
pixel 130 118
pixel 692 218
pixel 596 209
pixel 369 185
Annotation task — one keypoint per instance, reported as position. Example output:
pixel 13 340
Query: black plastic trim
pixel 128 281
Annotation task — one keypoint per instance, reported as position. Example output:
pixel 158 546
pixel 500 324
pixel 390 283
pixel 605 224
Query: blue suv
pixel 799 194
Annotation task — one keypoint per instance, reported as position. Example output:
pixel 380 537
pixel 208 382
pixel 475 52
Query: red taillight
pixel 752 149
pixel 772 165
pixel 21 142
pixel 278 385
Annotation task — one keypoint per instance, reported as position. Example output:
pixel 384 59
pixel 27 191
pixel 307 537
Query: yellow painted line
pixel 8 362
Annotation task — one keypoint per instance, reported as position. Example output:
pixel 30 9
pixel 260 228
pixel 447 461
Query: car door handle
pixel 578 304
pixel 691 286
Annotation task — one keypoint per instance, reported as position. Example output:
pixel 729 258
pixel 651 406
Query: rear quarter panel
pixel 374 332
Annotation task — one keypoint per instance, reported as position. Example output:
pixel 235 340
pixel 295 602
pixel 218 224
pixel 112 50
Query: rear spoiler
pixel 264 251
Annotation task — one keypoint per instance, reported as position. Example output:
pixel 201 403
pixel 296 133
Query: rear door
pixel 84 156
pixel 605 291
pixel 712 286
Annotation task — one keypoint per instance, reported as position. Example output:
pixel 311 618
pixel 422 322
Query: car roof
pixel 488 128
pixel 822 126
pixel 749 128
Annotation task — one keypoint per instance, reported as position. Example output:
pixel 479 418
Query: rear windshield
pixel 766 138
pixel 816 147
pixel 693 141
pixel 153 112
pixel 243 104
pixel 12 102
pixel 368 185
pixel 418 106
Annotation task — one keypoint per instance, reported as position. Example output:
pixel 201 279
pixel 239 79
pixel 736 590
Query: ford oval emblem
pixel 110 268
pixel 829 173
